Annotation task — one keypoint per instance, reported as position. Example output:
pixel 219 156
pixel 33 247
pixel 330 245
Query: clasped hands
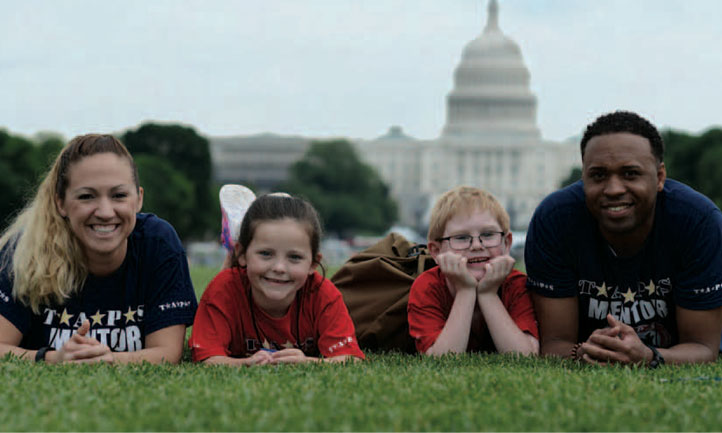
pixel 616 344
pixel 454 267
pixel 284 356
pixel 82 349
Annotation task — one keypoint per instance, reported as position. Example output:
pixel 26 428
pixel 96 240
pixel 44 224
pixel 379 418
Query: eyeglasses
pixel 463 242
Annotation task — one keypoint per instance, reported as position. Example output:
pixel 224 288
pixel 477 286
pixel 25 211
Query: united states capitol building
pixel 490 140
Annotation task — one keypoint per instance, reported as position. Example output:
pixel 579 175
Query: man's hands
pixel 617 344
pixel 81 349
pixel 454 267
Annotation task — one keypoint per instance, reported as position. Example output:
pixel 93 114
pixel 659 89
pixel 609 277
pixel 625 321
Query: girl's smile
pixel 278 261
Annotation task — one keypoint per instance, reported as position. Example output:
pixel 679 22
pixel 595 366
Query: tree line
pixel 175 170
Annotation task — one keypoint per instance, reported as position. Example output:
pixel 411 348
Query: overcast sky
pixel 345 67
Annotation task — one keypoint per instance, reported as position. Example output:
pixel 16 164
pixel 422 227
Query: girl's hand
pixel 290 356
pixel 495 271
pixel 82 349
pixel 262 357
pixel 457 274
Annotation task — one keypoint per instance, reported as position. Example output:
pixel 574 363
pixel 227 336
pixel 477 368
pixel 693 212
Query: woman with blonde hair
pixel 84 277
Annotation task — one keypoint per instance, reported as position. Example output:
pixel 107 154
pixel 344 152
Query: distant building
pixel 490 140
pixel 260 161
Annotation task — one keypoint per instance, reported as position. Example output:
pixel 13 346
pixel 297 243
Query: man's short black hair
pixel 625 121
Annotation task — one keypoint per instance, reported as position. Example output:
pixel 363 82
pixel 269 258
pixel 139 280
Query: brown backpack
pixel 375 286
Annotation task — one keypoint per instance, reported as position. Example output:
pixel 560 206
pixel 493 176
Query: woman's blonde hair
pixel 464 199
pixel 44 257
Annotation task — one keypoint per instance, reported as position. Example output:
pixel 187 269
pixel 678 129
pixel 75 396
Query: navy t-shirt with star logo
pixel 679 264
pixel 150 291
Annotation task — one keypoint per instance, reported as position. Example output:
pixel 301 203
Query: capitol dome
pixel 491 96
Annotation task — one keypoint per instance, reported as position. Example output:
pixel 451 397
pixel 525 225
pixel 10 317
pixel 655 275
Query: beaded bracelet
pixel 575 352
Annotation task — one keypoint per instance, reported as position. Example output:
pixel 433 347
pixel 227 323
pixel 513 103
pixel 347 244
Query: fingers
pixel 495 271
pixel 79 339
pixel 624 329
pixel 610 332
pixel 261 357
pixel 84 328
pixel 454 268
pixel 601 353
pixel 80 336
pixel 506 262
pixel 88 352
pixel 611 342
pixel 289 356
pixel 589 360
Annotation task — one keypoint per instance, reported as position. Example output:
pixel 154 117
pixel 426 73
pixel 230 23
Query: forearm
pixel 454 337
pixel 25 354
pixel 507 336
pixel 556 347
pixel 153 355
pixel 688 353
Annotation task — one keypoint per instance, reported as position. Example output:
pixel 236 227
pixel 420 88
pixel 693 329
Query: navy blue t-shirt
pixel 150 291
pixel 679 264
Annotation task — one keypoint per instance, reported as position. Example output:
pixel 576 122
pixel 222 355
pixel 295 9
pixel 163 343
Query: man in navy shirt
pixel 626 265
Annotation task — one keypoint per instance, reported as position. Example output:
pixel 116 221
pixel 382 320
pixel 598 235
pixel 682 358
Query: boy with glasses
pixel 473 301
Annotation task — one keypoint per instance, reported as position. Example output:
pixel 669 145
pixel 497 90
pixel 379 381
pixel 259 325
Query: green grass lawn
pixel 387 392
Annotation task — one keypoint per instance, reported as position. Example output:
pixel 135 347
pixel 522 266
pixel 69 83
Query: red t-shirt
pixel 430 304
pixel 224 324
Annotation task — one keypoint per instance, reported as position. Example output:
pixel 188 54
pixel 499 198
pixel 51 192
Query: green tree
pixel 349 194
pixel 681 156
pixel 167 192
pixel 574 175
pixel 189 154
pixel 22 163
pixel 695 160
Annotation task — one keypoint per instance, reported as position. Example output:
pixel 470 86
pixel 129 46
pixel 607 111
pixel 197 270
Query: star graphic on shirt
pixel 288 345
pixel 65 317
pixel 602 291
pixel 129 316
pixel 97 318
pixel 628 295
pixel 266 344
pixel 651 288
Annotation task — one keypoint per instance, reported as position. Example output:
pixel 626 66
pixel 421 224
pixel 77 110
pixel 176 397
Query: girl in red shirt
pixel 272 306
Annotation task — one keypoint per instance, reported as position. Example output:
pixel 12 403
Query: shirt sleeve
pixel 11 309
pixel 425 312
pixel 699 277
pixel 212 331
pixel 546 256
pixel 171 299
pixel 519 305
pixel 337 335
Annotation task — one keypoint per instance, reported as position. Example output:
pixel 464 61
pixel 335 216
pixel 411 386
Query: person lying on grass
pixel 626 265
pixel 272 306
pixel 83 276
pixel 474 300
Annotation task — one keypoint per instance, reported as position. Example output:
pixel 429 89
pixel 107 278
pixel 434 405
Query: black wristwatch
pixel 657 359
pixel 40 355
